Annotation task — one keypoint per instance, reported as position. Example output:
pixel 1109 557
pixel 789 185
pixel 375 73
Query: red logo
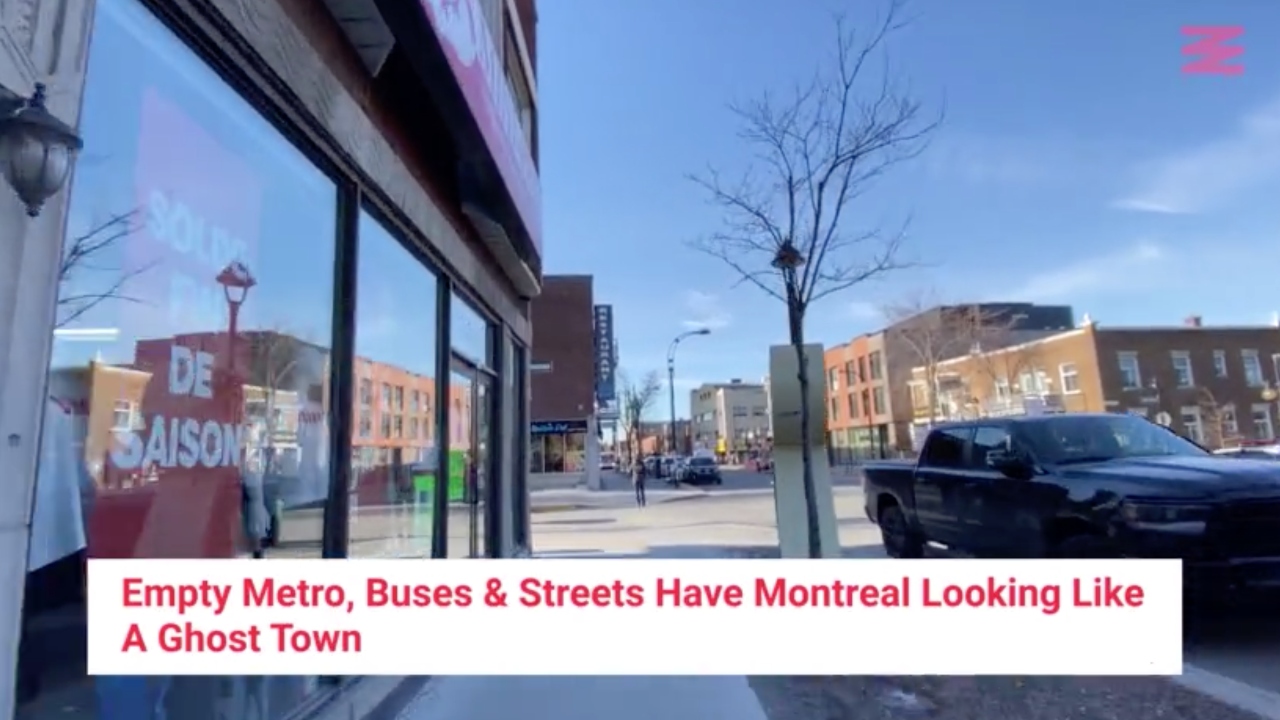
pixel 1213 50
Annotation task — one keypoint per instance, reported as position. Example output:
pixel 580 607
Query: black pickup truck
pixel 1082 486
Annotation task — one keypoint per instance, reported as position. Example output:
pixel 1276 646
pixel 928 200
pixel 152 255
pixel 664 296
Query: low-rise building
pixel 859 418
pixel 730 418
pixel 1214 385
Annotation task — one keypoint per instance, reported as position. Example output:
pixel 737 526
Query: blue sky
pixel 1077 163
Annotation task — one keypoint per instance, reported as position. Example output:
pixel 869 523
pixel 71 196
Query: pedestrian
pixel 637 479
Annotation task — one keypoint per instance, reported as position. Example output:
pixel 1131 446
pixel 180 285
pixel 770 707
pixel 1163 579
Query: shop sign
pixel 477 66
pixel 606 391
pixel 557 427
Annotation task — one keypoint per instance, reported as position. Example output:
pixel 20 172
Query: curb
pixel 1242 696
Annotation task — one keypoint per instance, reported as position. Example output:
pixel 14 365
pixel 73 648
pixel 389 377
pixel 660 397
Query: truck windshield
pixel 1093 438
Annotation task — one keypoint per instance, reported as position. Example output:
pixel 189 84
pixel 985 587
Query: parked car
pixel 1083 486
pixel 702 471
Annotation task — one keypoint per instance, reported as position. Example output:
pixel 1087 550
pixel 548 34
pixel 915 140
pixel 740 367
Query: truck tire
pixel 1084 547
pixel 900 541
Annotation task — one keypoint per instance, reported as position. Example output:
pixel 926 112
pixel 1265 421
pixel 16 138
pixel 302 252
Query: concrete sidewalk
pixel 581 499
pixel 586 698
pixel 591 698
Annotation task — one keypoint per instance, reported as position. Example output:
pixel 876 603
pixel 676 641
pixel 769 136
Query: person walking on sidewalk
pixel 637 479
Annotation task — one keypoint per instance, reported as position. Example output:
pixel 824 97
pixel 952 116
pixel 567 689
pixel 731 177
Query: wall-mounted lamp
pixel 36 149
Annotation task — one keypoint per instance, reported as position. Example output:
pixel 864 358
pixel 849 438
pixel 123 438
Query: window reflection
pixel 395 442
pixel 469 332
pixel 188 404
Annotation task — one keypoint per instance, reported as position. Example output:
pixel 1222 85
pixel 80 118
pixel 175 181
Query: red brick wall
pixel 563 335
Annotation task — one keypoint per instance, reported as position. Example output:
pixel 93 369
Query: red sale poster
pixel 173 484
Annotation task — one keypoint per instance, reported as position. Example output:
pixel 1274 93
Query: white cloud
pixel 1203 177
pixel 704 310
pixel 1124 270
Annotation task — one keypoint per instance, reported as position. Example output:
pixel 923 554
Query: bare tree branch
pixel 817 151
pixel 81 254
pixel 634 400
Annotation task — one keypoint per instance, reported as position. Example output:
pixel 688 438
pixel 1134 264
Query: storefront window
pixel 395 465
pixel 537 451
pixel 554 454
pixel 188 403
pixel 575 452
pixel 470 334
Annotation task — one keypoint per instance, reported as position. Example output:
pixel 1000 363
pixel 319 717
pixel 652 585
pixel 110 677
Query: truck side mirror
pixel 1009 463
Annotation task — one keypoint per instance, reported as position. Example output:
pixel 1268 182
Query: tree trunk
pixel 795 318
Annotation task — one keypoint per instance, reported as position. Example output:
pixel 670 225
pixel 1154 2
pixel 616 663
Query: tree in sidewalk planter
pixel 787 224
pixel 634 400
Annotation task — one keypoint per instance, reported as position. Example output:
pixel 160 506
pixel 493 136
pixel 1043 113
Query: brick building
pixel 1205 382
pixel 564 380
pixel 859 421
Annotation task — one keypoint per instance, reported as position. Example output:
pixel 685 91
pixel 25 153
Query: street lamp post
pixel 671 376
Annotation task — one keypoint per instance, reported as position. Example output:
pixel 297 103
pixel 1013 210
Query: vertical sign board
pixel 605 390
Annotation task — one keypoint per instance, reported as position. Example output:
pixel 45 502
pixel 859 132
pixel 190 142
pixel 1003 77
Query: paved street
pixel 735 479
pixel 738 516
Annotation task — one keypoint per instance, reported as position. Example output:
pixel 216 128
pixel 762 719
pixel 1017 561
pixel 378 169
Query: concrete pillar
pixel 788 490
pixel 39 40
pixel 594 481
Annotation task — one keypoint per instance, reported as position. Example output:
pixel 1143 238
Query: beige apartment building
pixel 1215 385
pixel 729 418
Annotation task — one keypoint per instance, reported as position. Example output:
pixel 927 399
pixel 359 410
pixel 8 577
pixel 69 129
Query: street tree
pixel 1213 417
pixel 788 224
pixel 634 400
pixel 999 353
pixel 929 337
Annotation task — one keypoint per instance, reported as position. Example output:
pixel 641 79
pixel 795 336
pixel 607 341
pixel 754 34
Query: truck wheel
pixel 897 536
pixel 1084 547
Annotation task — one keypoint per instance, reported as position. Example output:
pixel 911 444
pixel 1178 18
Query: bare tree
pixel 84 253
pixel 273 366
pixel 931 337
pixel 996 350
pixel 1212 419
pixel 634 400
pixel 787 222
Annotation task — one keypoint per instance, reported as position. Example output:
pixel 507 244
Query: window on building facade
pixel 517 81
pixel 877 366
pixel 205 240
pixel 1230 425
pixel 833 379
pixel 1002 389
pixel 1182 373
pixel 470 333
pixel 850 372
pixel 1069 377
pixel 1263 429
pixel 1252 368
pixel 1130 373
pixel 862 369
pixel 1220 363
pixel 396 338
pixel 835 409
pixel 1191 423
pixel 878 401
pixel 853 405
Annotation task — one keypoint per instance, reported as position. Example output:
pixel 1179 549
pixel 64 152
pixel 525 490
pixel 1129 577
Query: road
pixel 733 480
pixel 739 514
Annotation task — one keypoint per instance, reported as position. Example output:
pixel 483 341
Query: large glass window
pixel 470 333
pixel 394 476
pixel 188 412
